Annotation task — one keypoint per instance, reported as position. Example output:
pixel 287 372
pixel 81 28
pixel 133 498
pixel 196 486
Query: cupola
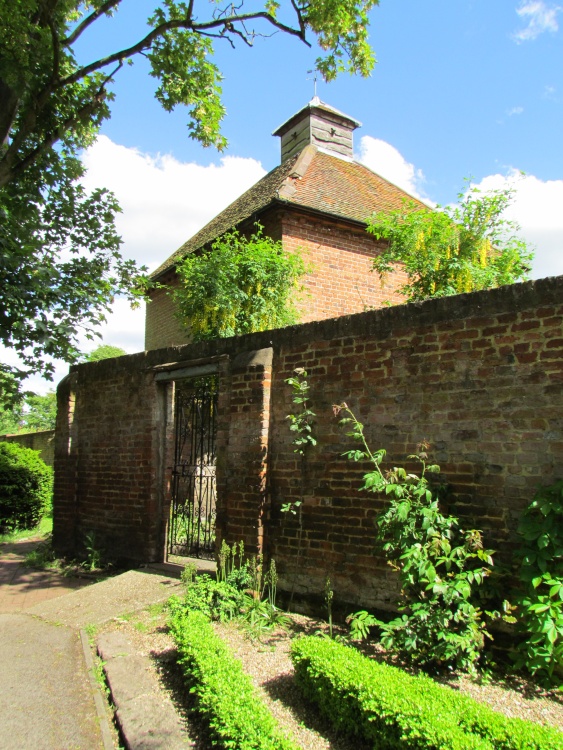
pixel 321 125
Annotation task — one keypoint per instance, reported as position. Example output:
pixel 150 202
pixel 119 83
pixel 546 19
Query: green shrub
pixel 26 485
pixel 392 709
pixel 224 695
pixel 540 598
pixel 440 565
pixel 217 600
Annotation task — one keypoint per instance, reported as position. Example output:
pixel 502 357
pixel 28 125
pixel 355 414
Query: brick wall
pixel 341 281
pixel 107 459
pixel 161 325
pixel 42 441
pixel 479 375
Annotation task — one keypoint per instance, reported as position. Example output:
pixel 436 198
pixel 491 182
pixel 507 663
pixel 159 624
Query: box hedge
pixel 224 695
pixel 391 709
pixel 26 486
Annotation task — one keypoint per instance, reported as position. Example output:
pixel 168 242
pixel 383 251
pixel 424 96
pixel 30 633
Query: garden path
pixel 49 699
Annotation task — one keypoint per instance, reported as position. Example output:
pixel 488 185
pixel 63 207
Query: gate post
pixel 242 466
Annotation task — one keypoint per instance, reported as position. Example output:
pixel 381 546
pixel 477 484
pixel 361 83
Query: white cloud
pixel 164 201
pixel 515 111
pixel 537 209
pixel 540 17
pixel 384 159
pixel 537 205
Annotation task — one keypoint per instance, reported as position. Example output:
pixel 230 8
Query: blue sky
pixel 461 88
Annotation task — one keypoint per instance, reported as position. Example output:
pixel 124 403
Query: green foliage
pixel 221 599
pixel 34 413
pixel 94 558
pixel 26 485
pixel 440 565
pixel 104 351
pixel 224 695
pixel 60 265
pixel 241 591
pixel 240 285
pixel 259 612
pixel 302 422
pixel 217 600
pixel 388 708
pixel 47 96
pixel 454 249
pixel 540 599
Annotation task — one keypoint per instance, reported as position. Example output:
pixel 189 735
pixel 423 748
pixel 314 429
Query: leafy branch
pixel 439 564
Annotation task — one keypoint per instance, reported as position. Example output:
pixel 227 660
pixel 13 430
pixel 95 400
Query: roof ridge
pixel 302 163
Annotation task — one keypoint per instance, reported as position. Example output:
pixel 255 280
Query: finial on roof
pixel 320 124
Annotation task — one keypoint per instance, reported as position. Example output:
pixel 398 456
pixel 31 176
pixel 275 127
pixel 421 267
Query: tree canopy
pixel 104 351
pixel 35 412
pixel 461 248
pixel 60 264
pixel 240 285
pixel 47 97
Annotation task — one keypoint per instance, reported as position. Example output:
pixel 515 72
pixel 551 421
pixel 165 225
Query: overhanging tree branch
pixel 188 25
pixel 88 21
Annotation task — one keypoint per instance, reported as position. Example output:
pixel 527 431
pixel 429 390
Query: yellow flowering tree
pixel 240 285
pixel 451 250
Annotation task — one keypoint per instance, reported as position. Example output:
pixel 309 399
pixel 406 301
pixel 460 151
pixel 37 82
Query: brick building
pixel 318 200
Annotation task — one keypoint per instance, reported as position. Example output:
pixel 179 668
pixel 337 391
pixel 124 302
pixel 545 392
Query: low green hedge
pixel 392 709
pixel 224 694
pixel 26 486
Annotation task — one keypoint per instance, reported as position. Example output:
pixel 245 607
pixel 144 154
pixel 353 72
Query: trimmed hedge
pixel 224 694
pixel 26 486
pixel 392 709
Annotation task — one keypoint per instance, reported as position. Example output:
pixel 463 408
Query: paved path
pixel 47 698
pixel 22 587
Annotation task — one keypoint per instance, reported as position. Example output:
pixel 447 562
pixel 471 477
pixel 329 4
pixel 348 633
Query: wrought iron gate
pixel 191 531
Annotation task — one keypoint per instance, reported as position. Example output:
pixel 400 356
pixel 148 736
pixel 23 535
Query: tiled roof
pixel 313 180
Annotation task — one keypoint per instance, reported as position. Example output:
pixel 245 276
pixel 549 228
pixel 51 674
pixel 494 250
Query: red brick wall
pixel 161 325
pixel 478 375
pixel 106 464
pixel 243 450
pixel 341 281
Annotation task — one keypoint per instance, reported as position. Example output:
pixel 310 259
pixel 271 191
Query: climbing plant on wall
pixel 240 285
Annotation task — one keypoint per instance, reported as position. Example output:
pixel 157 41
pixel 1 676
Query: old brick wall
pixel 110 416
pixel 341 281
pixel 42 441
pixel 479 375
pixel 162 328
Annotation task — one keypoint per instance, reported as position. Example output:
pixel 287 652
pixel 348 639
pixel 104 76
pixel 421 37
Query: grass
pixel 44 528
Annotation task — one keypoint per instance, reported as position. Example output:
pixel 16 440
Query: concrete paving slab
pixel 147 720
pixel 100 602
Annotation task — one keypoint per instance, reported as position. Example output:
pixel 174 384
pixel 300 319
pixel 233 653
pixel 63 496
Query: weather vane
pixel 314 79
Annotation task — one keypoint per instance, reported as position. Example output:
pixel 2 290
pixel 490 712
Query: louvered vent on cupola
pixel 321 125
